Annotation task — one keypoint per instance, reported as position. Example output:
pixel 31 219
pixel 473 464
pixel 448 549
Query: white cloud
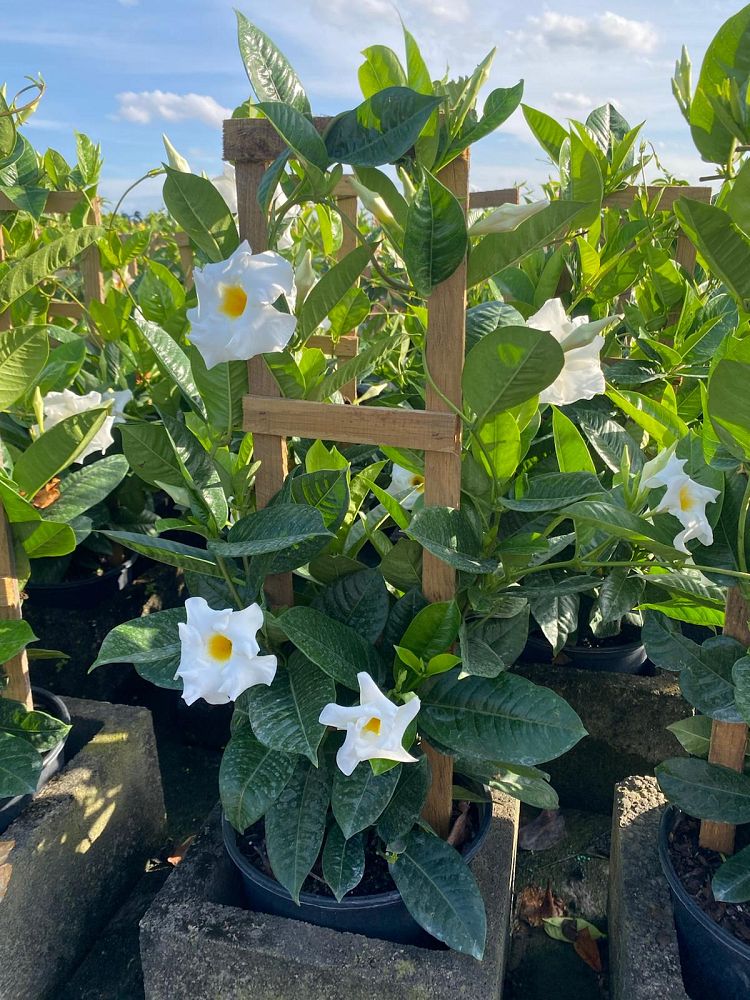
pixel 596 33
pixel 148 105
pixel 569 102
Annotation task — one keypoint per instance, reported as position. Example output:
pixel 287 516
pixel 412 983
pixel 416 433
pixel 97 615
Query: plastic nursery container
pixel 628 658
pixel 715 964
pixel 52 761
pixel 88 592
pixel 383 915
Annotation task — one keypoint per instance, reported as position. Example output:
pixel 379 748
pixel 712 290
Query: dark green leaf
pixel 251 778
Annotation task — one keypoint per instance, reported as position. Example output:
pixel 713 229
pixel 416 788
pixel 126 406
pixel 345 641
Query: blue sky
pixel 124 71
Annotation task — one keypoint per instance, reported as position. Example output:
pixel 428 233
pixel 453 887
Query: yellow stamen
pixel 372 726
pixel 687 500
pixel 417 481
pixel 233 301
pixel 219 647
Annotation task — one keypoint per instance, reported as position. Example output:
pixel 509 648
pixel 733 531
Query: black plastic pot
pixel 714 962
pixel 628 658
pixel 383 915
pixel 52 761
pixel 84 593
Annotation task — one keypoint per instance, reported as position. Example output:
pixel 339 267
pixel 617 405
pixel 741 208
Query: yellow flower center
pixel 219 647
pixel 233 301
pixel 372 726
pixel 687 500
pixel 417 481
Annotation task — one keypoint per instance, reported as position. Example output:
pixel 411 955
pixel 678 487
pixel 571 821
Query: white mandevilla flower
pixel 506 218
pixel 235 319
pixel 684 498
pixel 374 729
pixel 219 653
pixel 407 487
pixel 226 184
pixel 120 399
pixel 582 376
pixel 59 405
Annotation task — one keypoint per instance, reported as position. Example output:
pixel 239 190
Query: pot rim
pixel 53 752
pixel 88 581
pixel 370 902
pixel 625 647
pixel 669 820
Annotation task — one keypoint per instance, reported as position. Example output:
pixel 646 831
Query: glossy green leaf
pixel 497 251
pixel 163 550
pixel 405 806
pixel 729 408
pixel 269 71
pixel 57 448
pixel 343 861
pixel 15 635
pixel 509 366
pixel 720 242
pixel 41 730
pixel 731 883
pixel 570 447
pixel 707 791
pixel 359 600
pixel 433 630
pixel 554 490
pixel 402 114
pixel 23 355
pixel 285 715
pixel 359 799
pixel 548 133
pixel 200 210
pixel 335 648
pixel 296 129
pixel 501 718
pixel 273 529
pixel 251 778
pixel 332 288
pixel 451 535
pixel 435 239
pixel 441 893
pixel 86 487
pixel 20 766
pixel 295 825
pixel 45 262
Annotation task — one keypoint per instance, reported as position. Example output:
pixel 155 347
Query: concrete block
pixel 71 856
pixel 643 954
pixel 198 944
pixel 626 718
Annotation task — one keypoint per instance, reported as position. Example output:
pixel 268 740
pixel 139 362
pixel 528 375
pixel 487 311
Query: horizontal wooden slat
pixel 346 346
pixel 493 199
pixel 71 310
pixel 355 424
pixel 58 202
pixel 255 140
pixel 667 195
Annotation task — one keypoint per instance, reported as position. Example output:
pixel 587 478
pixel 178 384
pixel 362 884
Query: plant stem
pixel 229 581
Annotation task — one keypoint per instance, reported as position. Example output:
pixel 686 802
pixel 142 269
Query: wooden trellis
pixel 63 203
pixel 18 686
pixel 252 145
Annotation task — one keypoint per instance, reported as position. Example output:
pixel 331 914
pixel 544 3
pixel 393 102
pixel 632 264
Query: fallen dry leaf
pixel 180 850
pixel 535 905
pixel 47 495
pixel 587 949
pixel 543 832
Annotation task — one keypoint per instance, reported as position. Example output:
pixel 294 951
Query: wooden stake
pixel 91 270
pixel 17 669
pixel 445 345
pixel 728 739
pixel 348 208
pixel 268 449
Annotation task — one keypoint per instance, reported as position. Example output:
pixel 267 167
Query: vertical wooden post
pixel 348 208
pixel 446 336
pixel 728 739
pixel 17 669
pixel 5 314
pixel 268 449
pixel 185 251
pixel 93 279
